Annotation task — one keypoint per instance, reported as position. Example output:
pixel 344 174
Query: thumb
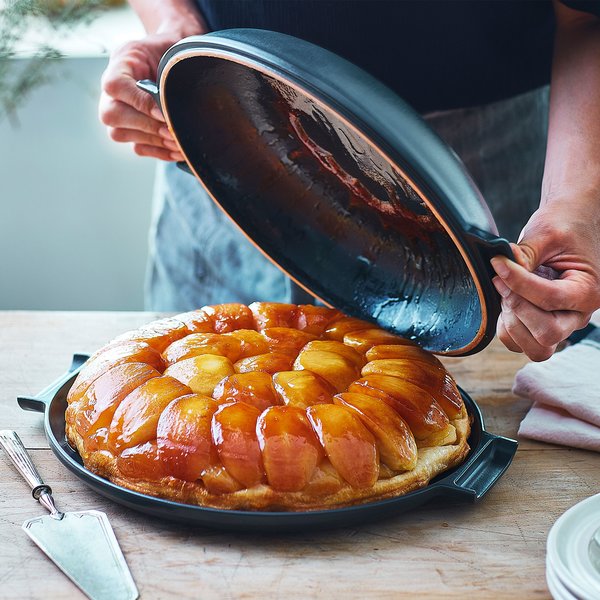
pixel 529 253
pixel 525 254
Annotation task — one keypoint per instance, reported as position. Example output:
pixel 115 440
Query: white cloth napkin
pixel 565 391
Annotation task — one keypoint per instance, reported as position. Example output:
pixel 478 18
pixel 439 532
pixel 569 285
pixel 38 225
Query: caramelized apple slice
pixel 431 378
pixel 268 363
pixel 254 388
pixel 325 480
pixel 336 369
pixel 413 353
pixel 314 319
pixel 135 419
pixel 158 334
pixel 440 438
pixel 290 449
pixel 141 462
pixel 302 388
pixel 217 480
pixel 98 404
pixel 338 328
pixel 251 342
pixel 197 321
pixel 347 442
pixel 197 344
pixel 234 435
pixel 183 436
pixel 351 354
pixel 367 338
pixel 201 373
pixel 229 317
pixel 417 407
pixel 273 314
pixel 97 441
pixel 110 356
pixel 286 340
pixel 395 442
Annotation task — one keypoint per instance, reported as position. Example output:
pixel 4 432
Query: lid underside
pixel 321 199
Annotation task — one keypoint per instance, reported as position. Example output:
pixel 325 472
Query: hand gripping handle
pixel 13 446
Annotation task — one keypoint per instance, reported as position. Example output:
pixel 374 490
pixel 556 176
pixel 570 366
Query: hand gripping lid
pixel 336 180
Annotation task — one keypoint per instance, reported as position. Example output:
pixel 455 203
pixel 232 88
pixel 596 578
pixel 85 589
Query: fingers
pixel 525 327
pixel 116 114
pixel 517 335
pixel 568 293
pixel 140 137
pixel 130 114
pixel 505 338
pixel 548 328
pixel 156 152
pixel 126 66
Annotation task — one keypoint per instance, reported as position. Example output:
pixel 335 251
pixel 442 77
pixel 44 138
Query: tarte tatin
pixel 266 407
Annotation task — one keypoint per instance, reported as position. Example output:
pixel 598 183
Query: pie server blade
pixel 82 544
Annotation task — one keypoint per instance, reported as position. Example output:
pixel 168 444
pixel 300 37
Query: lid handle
pixel 489 245
pixel 150 87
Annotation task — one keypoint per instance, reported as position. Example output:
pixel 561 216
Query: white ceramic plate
pixel 567 549
pixel 556 587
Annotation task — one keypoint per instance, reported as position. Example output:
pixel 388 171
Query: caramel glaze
pixel 297 407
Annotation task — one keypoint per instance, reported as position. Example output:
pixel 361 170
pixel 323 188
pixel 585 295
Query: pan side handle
pixel 39 402
pixel 484 468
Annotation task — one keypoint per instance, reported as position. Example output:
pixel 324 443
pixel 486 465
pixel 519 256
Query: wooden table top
pixel 493 549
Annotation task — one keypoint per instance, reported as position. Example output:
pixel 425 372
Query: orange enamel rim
pixel 230 56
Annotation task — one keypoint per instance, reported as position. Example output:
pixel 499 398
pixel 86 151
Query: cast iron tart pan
pixel 489 457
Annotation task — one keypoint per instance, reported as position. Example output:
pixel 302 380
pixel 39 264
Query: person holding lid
pixel 513 87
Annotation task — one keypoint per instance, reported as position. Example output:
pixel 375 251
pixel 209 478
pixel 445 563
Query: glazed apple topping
pixel 136 418
pixel 289 447
pixel 339 327
pixel 106 358
pixel 365 339
pixel 301 399
pixel 333 367
pixel 197 344
pixel 286 340
pixel 393 437
pixel 158 334
pixel 230 317
pixel 101 399
pixel 302 388
pixel 348 444
pixel 430 377
pixel 201 373
pixel 271 362
pixel 251 342
pixel 417 407
pixel 234 436
pixel 273 314
pixel 183 436
pixel 255 388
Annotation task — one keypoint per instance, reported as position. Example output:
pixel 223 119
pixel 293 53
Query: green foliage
pixel 17 81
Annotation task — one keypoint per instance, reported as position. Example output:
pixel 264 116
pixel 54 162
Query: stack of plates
pixel 573 558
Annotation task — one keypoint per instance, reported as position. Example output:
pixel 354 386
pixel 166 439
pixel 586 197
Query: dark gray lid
pixel 338 181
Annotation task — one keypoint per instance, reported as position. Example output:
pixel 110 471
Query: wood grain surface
pixel 495 549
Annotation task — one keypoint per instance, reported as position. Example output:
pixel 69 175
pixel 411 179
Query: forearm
pixel 169 16
pixel 572 167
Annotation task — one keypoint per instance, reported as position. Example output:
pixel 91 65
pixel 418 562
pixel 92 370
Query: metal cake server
pixel 82 544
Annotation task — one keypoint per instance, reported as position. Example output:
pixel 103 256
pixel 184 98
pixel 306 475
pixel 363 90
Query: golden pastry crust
pixel 114 412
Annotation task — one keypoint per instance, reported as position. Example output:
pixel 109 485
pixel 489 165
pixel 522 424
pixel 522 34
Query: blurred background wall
pixel 74 206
